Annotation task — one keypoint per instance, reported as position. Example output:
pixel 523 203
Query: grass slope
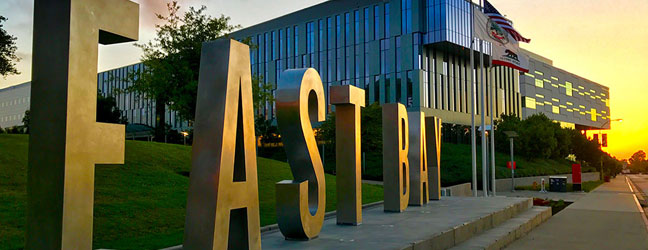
pixel 139 205
pixel 456 165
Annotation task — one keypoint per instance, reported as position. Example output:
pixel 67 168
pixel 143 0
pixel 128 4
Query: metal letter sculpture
pixel 223 199
pixel 66 140
pixel 419 190
pixel 395 163
pixel 348 100
pixel 301 202
pixel 433 141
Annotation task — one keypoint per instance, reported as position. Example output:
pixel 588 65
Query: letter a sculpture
pixel 66 140
pixel 223 200
pixel 419 189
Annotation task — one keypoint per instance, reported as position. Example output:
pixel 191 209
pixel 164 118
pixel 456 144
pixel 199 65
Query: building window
pixel 273 46
pixel 593 114
pixel 406 16
pixel 376 22
pixel 555 109
pixel 366 25
pixel 356 31
pixel 310 42
pixel 569 89
pixel 266 51
pixel 529 102
pixel 384 45
pixel 296 42
pixel 539 83
pixel 398 54
pixel 410 90
pixel 387 31
pixel 289 48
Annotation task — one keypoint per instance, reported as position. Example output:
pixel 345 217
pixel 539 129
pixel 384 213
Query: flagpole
pixel 483 113
pixel 472 101
pixel 492 113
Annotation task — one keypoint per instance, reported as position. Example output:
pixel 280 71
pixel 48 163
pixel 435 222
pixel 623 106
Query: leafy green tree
pixel 507 123
pixel 261 92
pixel 585 149
pixel 638 163
pixel 264 129
pixel 107 110
pixel 611 165
pixel 8 49
pixel 172 60
pixel 538 137
pixel 25 120
pixel 371 131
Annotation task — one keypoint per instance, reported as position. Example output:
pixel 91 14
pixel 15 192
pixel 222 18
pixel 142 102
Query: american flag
pixel 506 24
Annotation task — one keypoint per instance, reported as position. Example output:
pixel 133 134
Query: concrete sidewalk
pixel 606 218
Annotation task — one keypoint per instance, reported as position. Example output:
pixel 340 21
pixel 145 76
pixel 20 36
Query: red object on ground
pixel 576 174
pixel 508 165
pixel 540 202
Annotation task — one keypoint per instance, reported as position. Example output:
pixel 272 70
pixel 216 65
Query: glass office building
pixel 415 52
pixel 14 101
pixel 136 108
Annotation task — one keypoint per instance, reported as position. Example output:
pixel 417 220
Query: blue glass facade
pixel 136 108
pixel 410 51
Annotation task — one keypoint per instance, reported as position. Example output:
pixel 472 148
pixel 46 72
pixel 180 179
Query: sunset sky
pixel 605 41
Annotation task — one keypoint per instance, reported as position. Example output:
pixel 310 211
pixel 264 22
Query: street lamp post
pixel 184 137
pixel 601 144
pixel 511 135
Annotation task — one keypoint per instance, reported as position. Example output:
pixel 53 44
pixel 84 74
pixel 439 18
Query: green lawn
pixel 139 205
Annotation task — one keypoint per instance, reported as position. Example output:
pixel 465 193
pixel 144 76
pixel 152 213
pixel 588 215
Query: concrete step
pixel 509 231
pixel 461 233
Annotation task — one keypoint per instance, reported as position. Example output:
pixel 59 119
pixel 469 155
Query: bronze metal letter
pixel 433 141
pixel 419 190
pixel 395 163
pixel 348 100
pixel 66 140
pixel 223 199
pixel 301 202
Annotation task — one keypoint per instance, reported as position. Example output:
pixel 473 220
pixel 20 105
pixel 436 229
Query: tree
pixel 371 131
pixel 265 130
pixel 107 110
pixel 638 163
pixel 172 61
pixel 261 92
pixel 26 119
pixel 8 49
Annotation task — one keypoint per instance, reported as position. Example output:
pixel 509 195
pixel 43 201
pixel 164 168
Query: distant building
pixel 415 52
pixel 565 97
pixel 410 51
pixel 14 101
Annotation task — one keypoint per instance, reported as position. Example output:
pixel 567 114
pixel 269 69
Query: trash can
pixel 558 183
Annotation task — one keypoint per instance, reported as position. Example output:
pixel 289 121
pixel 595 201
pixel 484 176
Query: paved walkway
pixel 566 196
pixel 606 218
